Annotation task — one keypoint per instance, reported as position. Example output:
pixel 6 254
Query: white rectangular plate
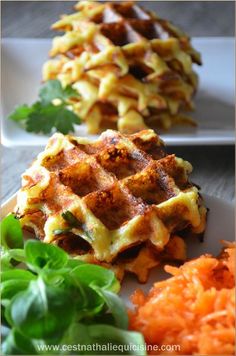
pixel 22 60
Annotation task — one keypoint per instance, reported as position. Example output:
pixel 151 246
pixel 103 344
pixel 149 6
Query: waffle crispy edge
pixel 123 190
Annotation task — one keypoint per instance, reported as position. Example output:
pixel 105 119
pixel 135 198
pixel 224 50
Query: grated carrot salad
pixel 194 309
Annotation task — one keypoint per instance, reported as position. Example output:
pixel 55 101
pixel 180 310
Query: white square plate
pixel 22 60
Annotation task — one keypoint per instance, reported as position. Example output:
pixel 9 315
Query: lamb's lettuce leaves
pixel 50 298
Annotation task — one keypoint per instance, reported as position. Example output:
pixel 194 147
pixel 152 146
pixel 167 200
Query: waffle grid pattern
pixel 122 190
pixel 131 68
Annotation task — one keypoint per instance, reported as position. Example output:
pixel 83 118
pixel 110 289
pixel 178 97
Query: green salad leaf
pixel 44 115
pixel 20 274
pixel 49 298
pixel 17 344
pixel 42 256
pixel 14 281
pixel 9 258
pixel 96 276
pixel 11 233
pixel 42 311
pixel 116 308
pixel 127 342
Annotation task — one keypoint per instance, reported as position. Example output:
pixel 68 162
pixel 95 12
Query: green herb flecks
pixel 75 223
pixel 71 219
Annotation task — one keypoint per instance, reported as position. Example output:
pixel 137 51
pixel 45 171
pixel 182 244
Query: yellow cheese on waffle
pixel 100 200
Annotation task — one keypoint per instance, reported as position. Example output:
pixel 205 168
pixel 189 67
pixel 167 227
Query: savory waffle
pixel 131 68
pixel 117 201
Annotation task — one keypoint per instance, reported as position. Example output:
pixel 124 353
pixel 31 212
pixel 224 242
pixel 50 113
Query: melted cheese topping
pixel 106 243
pixel 41 177
pixel 101 72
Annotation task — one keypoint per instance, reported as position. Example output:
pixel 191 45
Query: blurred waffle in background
pixel 132 69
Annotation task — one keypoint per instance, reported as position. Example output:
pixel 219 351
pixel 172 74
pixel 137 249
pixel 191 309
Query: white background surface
pixel 22 61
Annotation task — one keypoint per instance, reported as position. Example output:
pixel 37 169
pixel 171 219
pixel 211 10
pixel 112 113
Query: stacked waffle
pixel 131 68
pixel 120 201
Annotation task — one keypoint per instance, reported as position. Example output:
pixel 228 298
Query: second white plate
pixel 22 60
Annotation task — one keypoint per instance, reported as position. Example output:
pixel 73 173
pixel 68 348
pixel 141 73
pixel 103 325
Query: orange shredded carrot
pixel 194 309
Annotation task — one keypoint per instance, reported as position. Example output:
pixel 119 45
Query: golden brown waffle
pixel 131 68
pixel 117 201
